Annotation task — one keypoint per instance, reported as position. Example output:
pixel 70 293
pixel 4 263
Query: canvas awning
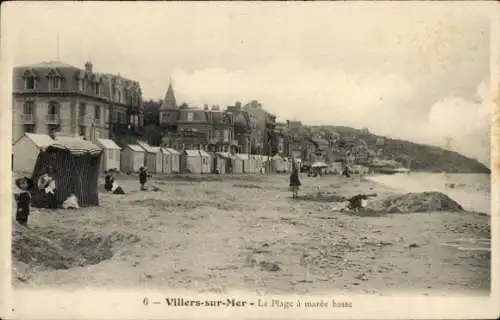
pixel 76 146
pixel 319 164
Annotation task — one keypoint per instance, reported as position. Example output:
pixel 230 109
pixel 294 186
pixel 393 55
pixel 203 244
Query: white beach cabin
pixel 175 160
pixel 26 149
pixel 153 157
pixel 132 158
pixel 111 154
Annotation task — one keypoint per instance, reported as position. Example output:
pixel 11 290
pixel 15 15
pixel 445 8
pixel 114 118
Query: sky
pixel 416 71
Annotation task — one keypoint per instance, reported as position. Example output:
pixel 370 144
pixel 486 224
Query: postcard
pixel 236 159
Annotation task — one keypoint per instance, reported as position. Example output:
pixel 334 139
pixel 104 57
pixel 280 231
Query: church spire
pixel 169 102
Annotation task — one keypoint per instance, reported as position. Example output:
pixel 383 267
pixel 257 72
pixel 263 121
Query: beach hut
pixel 191 161
pixel 132 158
pixel 206 161
pixel 26 149
pixel 110 154
pixel 76 163
pixel 166 166
pixel 175 160
pixel 277 164
pixel 222 162
pixel 236 163
pixel 153 157
pixel 249 163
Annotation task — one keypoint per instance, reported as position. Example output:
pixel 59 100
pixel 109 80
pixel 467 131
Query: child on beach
pixel 110 184
pixel 23 199
pixel 143 177
pixel 294 181
pixel 47 183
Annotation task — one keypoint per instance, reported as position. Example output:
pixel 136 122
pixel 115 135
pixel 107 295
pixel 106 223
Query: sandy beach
pixel 247 233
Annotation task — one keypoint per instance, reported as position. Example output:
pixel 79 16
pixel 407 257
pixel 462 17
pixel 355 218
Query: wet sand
pixel 219 236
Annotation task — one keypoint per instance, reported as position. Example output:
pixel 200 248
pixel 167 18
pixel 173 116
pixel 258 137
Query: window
pixel 55 82
pixel 53 108
pixel 97 87
pixel 82 111
pixel 30 128
pixel 29 82
pixel 190 116
pixel 119 96
pixel 97 112
pixel 82 131
pixel 29 107
pixel 110 155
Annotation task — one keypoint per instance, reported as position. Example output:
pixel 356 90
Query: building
pixel 55 96
pixel 208 128
pixel 263 125
pixel 242 127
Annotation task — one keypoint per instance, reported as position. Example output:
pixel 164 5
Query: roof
pixel 108 144
pixel 192 153
pixel 224 155
pixel 135 148
pixel 170 150
pixel 203 153
pixel 148 148
pixel 169 102
pixel 243 156
pixel 76 146
pixel 49 64
pixel 40 140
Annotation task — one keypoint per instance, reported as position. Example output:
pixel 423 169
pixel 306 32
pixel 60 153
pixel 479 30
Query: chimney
pixel 205 107
pixel 238 105
pixel 88 66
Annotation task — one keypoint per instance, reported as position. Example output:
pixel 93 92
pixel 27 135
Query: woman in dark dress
pixel 23 199
pixel 294 181
pixel 109 180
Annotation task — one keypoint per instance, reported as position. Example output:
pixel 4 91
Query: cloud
pixel 293 89
pixel 465 123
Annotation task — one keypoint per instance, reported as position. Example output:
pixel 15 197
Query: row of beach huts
pixel 158 160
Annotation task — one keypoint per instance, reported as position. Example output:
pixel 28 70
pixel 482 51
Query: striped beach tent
pixel 76 163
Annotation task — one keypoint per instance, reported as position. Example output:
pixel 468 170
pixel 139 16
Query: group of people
pixel 24 187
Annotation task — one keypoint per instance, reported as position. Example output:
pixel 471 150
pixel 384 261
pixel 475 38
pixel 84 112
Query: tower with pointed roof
pixel 169 111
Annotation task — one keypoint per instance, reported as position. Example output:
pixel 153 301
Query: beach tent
pixel 132 158
pixel 206 161
pixel 259 162
pixel 110 154
pixel 222 162
pixel 76 163
pixel 153 157
pixel 166 166
pixel 288 164
pixel 26 149
pixel 175 159
pixel 236 163
pixel 191 161
pixel 277 164
pixel 249 163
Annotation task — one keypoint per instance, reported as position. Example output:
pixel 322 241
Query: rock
pixel 415 202
pixel 269 266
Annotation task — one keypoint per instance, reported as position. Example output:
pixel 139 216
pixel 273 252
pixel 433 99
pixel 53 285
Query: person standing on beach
pixel 23 199
pixel 294 180
pixel 143 177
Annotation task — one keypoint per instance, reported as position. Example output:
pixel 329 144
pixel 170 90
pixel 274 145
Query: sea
pixel 472 191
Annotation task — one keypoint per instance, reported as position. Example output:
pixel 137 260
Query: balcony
pixel 52 118
pixel 85 120
pixel 28 118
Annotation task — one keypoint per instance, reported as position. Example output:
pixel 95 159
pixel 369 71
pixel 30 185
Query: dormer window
pixel 29 83
pixel 29 80
pixel 55 80
pixel 97 89
pixel 55 83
